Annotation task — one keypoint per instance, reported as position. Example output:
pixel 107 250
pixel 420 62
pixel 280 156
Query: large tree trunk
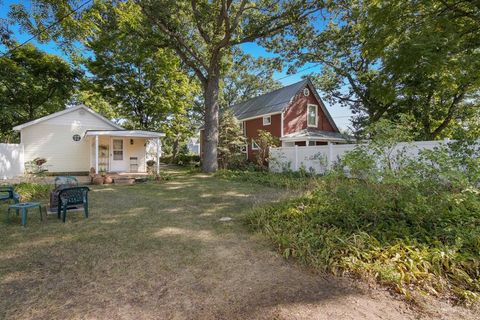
pixel 210 161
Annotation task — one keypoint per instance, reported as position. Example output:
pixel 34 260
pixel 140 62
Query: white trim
pixel 96 154
pixel 316 115
pixel 293 139
pixel 125 133
pixel 67 110
pixel 268 122
pixel 243 127
pixel 281 123
pixel 158 155
pixel 253 145
pixel 259 116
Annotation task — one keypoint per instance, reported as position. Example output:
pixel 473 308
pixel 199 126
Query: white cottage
pixel 78 138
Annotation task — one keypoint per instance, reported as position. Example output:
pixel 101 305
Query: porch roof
pixel 316 135
pixel 125 133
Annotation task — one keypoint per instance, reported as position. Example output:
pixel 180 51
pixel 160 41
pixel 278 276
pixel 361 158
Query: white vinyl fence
pixel 319 159
pixel 11 160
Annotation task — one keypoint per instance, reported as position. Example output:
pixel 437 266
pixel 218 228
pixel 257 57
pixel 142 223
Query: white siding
pixel 52 140
pixel 11 160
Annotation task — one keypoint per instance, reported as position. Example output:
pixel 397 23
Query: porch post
pixel 330 155
pixel 96 154
pixel 158 155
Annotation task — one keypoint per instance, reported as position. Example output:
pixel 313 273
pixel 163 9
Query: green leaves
pixel 32 84
pixel 388 58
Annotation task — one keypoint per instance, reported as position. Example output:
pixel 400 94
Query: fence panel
pixel 11 160
pixel 318 159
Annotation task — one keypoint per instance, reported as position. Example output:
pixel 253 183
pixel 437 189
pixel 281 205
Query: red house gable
pixel 295 114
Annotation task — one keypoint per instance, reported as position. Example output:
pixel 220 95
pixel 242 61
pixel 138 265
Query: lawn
pixel 159 251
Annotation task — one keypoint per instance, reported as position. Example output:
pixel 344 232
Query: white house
pixel 78 138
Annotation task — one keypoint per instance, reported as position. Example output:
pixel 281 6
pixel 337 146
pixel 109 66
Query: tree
pixel 145 85
pixel 230 142
pixel 32 84
pixel 265 140
pixel 384 59
pixel 247 78
pixel 202 34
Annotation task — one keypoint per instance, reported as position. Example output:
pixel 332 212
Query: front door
pixel 118 156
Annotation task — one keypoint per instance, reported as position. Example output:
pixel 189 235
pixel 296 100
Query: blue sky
pixel 340 115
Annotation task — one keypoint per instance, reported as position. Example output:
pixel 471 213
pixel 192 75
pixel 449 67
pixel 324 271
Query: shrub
pixel 265 140
pixel 33 191
pixel 403 236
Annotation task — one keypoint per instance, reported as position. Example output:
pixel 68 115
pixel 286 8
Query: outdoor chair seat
pixel 61 182
pixel 72 198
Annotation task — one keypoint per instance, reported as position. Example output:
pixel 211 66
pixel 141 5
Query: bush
pixel 183 160
pixel 411 223
pixel 33 191
pixel 405 237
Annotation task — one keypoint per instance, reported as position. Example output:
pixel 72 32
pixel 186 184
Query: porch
pixel 313 137
pixel 123 152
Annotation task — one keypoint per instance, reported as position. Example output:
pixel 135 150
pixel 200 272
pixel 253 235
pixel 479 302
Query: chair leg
pixel 8 215
pixel 40 210
pixel 24 217
pixel 64 213
pixel 85 208
pixel 58 212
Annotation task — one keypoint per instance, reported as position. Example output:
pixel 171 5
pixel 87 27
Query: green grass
pixel 290 180
pixel 415 241
pixel 141 244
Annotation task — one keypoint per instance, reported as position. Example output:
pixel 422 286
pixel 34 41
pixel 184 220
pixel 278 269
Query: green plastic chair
pixel 72 198
pixel 8 193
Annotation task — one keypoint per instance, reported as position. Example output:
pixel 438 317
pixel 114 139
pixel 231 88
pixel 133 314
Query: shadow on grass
pixel 150 250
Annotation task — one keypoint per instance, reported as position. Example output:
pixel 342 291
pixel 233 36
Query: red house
pixel 295 114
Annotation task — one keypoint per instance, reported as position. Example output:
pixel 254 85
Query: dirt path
pixel 160 252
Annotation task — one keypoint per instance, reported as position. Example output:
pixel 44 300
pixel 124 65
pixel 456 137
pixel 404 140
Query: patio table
pixel 23 207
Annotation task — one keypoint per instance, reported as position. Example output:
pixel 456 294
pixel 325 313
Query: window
pixel 267 120
pixel 311 143
pixel 242 127
pixel 117 149
pixel 76 137
pixel 312 115
pixel 254 145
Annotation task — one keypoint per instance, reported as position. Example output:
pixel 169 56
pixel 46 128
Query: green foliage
pixel 230 142
pixel 410 223
pixel 145 85
pixel 32 84
pixel 403 236
pixel 264 140
pixel 33 191
pixel 203 34
pixel 162 176
pixel 388 58
pixel 247 77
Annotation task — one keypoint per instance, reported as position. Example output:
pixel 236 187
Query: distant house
pixel 193 145
pixel 295 114
pixel 78 138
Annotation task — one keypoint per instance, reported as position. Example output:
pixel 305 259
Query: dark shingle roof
pixel 271 102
